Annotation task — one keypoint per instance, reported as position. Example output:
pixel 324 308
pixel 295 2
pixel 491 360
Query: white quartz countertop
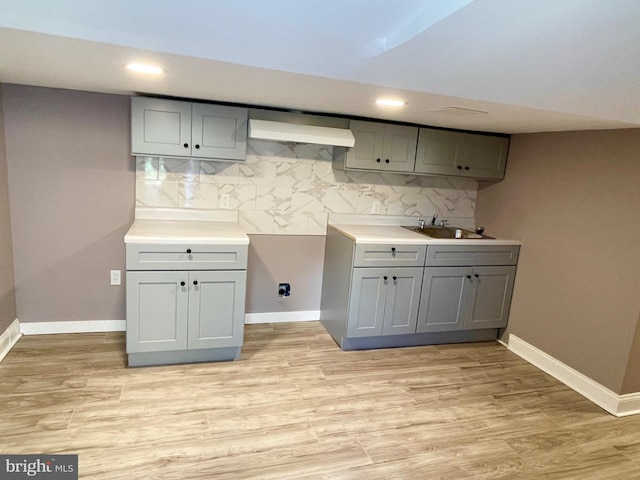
pixel 186 231
pixel 392 234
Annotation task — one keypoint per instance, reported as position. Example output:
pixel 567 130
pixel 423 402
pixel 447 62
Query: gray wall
pixel 7 291
pixel 293 259
pixel 573 198
pixel 72 201
pixel 71 189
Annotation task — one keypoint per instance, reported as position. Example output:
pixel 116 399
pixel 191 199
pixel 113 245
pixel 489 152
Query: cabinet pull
pixel 468 276
pixel 466 168
pixel 197 146
pixel 186 145
pixel 459 167
pixel 393 249
pixel 188 250
pixel 394 278
pixel 195 282
pixel 182 284
pixel 386 161
pixel 476 275
pixel 378 160
pixel 385 277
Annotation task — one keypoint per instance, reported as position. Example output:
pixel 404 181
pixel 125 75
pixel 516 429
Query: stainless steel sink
pixel 448 232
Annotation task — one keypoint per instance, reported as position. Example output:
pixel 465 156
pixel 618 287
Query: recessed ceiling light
pixel 388 102
pixel 143 68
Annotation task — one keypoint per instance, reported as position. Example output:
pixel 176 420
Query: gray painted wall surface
pixel 293 259
pixel 7 290
pixel 71 188
pixel 72 201
pixel 573 199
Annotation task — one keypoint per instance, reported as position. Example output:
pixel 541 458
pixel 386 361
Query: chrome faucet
pixel 444 223
pixel 433 219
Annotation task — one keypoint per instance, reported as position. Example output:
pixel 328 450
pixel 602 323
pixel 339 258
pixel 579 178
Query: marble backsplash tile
pixel 292 189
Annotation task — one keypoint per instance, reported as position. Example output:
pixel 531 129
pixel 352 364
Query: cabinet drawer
pixel 390 255
pixel 463 255
pixel 186 257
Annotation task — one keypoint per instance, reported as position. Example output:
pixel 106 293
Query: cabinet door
pixel 156 311
pixel 367 152
pixel 490 297
pixel 485 156
pixel 366 306
pixel 439 152
pixel 216 308
pixel 160 127
pixel 444 299
pixel 219 132
pixel 399 148
pixel 403 297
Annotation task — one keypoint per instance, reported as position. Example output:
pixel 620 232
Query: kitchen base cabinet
pixel 400 295
pixel 465 298
pixel 179 316
pixel 384 301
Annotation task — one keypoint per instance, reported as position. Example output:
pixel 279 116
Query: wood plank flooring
pixel 296 407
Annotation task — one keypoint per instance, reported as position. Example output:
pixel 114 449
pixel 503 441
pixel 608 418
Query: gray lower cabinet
pixel 465 298
pixel 184 310
pixel 384 301
pixel 175 315
pixel 378 296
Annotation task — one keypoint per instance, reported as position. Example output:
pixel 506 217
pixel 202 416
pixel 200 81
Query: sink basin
pixel 448 232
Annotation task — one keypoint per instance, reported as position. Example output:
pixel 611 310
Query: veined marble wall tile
pixel 274 199
pixel 219 172
pixel 203 196
pixel 156 193
pixel 179 170
pixel 256 171
pixel 287 188
pixel 241 197
pixel 255 222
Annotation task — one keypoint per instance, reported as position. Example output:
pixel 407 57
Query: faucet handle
pixel 421 223
pixel 444 222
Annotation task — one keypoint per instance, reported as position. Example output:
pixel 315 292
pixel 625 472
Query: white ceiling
pixel 533 65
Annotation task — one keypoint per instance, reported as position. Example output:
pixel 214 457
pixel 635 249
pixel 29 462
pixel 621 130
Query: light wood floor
pixel 296 407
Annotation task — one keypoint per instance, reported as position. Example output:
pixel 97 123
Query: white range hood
pixel 292 132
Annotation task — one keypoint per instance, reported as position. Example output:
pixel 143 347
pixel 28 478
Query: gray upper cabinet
pixel 183 129
pixel 442 152
pixel 382 146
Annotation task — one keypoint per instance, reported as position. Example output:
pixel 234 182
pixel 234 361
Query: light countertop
pixel 392 234
pixel 186 231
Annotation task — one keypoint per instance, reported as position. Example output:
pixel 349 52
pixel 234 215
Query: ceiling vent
pixel 458 111
pixel 291 132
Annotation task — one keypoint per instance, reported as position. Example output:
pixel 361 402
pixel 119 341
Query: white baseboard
pixel 96 326
pixel 282 317
pixel 9 338
pixel 618 405
pixel 78 326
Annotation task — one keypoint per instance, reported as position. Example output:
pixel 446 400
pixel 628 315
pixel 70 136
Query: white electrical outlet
pixel 224 200
pixel 115 277
pixel 375 208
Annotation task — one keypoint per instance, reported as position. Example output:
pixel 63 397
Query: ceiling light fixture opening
pixel 144 68
pixel 388 102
